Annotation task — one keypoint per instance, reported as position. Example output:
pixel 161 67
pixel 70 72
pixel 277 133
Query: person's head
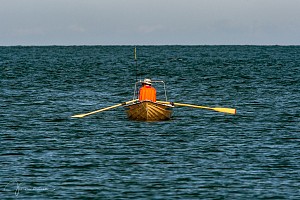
pixel 147 82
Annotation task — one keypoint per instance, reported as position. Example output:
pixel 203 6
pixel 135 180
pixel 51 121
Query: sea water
pixel 199 154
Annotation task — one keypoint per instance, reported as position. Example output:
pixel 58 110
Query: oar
pixel 224 110
pixel 104 109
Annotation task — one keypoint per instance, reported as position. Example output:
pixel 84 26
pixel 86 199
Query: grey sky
pixel 135 22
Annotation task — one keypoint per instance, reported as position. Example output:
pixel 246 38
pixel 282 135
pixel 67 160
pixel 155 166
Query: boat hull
pixel 149 111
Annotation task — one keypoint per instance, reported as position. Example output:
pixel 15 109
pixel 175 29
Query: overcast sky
pixel 136 22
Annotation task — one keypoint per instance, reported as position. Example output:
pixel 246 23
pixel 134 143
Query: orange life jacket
pixel 147 93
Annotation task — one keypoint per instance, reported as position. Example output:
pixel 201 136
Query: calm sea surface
pixel 199 154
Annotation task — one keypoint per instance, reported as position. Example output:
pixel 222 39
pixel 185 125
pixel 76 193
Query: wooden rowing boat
pixel 149 111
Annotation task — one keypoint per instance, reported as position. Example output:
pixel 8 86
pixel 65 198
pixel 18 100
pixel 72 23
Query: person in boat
pixel 147 92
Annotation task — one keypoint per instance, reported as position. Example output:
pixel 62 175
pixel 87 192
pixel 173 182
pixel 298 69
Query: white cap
pixel 147 81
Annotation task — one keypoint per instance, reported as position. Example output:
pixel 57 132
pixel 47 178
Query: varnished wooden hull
pixel 149 111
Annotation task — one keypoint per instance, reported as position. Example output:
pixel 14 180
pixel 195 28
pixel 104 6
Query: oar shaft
pixel 104 109
pixel 224 110
pixel 192 106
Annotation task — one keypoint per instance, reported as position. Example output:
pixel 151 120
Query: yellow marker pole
pixel 135 59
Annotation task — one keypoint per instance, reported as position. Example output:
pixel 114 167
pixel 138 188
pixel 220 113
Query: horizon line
pixel 70 45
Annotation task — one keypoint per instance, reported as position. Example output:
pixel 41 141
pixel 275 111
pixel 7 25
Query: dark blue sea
pixel 199 154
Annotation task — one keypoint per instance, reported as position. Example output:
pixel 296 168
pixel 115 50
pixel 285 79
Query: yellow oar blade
pixel 103 109
pixel 223 110
pixel 78 116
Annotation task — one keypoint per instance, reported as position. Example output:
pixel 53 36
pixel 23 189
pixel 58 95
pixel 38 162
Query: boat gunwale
pixel 158 103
